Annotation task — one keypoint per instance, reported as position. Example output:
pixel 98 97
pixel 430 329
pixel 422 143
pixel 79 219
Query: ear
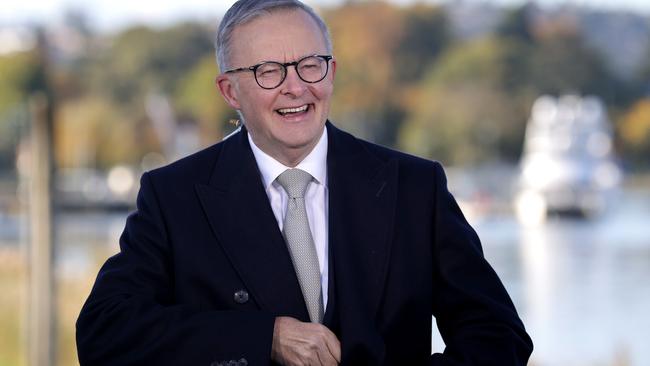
pixel 332 71
pixel 228 90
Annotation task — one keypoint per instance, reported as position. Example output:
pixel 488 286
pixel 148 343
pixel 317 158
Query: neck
pixel 289 157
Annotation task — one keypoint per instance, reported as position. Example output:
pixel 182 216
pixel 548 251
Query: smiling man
pixel 284 98
pixel 293 242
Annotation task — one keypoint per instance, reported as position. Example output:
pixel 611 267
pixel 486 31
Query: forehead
pixel 281 35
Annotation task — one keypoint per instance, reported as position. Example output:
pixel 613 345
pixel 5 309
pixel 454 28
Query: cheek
pixel 323 92
pixel 259 101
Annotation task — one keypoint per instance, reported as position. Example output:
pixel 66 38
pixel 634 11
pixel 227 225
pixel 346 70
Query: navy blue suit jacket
pixel 203 269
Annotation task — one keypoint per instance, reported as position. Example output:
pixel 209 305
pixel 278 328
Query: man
pixel 292 242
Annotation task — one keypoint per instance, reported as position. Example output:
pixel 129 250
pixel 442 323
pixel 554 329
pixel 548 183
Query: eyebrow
pixel 296 59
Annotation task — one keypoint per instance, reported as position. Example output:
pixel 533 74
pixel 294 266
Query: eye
pixel 310 63
pixel 311 69
pixel 269 70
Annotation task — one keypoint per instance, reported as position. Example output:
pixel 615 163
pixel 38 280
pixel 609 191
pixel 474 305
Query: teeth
pixel 293 110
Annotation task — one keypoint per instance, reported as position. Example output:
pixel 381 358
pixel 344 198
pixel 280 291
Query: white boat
pixel 568 165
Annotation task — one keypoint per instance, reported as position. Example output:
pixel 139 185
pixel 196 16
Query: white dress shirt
pixel 316 197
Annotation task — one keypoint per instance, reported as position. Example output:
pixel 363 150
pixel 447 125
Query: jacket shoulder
pixel 405 160
pixel 194 168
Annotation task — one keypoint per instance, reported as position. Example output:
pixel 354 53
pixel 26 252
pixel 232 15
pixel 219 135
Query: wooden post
pixel 41 280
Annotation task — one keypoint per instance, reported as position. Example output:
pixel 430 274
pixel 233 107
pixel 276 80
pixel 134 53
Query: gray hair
pixel 244 11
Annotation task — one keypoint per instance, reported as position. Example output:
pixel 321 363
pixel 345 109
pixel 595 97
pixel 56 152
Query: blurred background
pixel 539 111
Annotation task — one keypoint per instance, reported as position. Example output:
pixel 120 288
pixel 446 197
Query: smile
pixel 286 111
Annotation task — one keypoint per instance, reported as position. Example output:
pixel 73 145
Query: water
pixel 581 287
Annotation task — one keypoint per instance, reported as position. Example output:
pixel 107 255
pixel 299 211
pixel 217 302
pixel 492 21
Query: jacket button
pixel 241 297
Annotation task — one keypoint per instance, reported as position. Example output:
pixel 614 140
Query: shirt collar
pixel 315 163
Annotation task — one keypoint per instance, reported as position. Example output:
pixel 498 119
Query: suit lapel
pixel 241 218
pixel 362 193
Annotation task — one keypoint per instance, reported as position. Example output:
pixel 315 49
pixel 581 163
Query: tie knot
pixel 295 182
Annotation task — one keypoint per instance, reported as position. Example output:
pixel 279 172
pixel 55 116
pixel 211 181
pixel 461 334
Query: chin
pixel 296 143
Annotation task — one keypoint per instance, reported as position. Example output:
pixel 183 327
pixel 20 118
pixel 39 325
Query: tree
pixel 20 75
pixel 426 35
pixel 564 64
pixel 364 46
pixel 380 58
pixel 197 98
pixel 517 24
pixel 116 80
pixel 141 59
pixel 462 114
pixel 634 133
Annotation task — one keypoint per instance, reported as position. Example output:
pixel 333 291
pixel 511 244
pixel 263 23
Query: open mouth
pixel 293 111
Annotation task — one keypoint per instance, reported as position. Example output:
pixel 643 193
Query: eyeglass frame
pixel 285 67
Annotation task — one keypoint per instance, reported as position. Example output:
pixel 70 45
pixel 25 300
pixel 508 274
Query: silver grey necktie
pixel 299 240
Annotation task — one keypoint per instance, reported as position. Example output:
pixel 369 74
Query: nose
pixel 293 84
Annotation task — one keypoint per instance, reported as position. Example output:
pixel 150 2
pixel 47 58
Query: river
pixel 582 287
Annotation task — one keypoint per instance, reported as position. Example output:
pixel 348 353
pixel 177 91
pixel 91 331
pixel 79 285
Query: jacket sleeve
pixel 475 316
pixel 131 318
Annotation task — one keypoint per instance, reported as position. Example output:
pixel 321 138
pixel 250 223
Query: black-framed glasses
pixel 271 74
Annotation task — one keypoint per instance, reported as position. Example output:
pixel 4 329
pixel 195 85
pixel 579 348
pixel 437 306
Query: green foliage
pixel 479 61
pixel 109 105
pixel 401 80
pixel 517 24
pixel 563 64
pixel 142 59
pixel 462 114
pixel 475 102
pixel 634 132
pixel 197 98
pixel 381 58
pixel 426 34
pixel 19 75
pixel 92 133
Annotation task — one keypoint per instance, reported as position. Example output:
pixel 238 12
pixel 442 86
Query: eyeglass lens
pixel 310 69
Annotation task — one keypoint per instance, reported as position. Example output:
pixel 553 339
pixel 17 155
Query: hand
pixel 300 344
